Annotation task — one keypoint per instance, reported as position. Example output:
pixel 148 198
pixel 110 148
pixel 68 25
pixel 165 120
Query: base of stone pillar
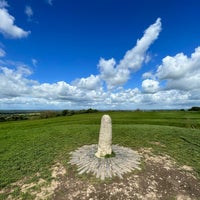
pixel 124 161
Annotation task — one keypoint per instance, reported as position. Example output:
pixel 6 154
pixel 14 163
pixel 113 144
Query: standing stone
pixel 105 137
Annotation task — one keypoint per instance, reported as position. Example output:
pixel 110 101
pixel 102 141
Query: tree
pixel 195 108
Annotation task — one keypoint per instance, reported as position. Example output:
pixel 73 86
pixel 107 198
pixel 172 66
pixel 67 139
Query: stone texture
pixel 125 161
pixel 105 137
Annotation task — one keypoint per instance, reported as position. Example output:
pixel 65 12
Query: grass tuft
pixel 110 155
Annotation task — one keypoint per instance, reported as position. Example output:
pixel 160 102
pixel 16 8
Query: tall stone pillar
pixel 105 137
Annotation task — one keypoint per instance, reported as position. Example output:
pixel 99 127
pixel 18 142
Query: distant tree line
pixel 12 117
pixel 73 112
pixel 49 114
pixel 42 114
pixel 195 108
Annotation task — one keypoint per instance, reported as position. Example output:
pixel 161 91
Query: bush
pixel 195 108
pixel 2 119
pixel 67 113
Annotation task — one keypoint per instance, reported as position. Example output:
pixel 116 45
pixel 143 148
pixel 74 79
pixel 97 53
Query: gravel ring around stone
pixel 125 160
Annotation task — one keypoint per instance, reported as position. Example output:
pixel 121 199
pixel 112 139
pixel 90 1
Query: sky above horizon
pixel 103 54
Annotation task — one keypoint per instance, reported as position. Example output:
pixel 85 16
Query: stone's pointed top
pixel 106 118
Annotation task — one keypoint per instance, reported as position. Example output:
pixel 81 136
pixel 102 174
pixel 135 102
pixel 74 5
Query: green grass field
pixel 28 147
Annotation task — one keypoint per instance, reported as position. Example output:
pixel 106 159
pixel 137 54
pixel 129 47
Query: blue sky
pixel 103 54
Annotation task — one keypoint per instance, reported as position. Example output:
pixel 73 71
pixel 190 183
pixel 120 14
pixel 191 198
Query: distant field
pixel 31 146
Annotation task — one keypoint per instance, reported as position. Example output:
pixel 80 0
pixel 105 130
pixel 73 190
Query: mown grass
pixel 29 147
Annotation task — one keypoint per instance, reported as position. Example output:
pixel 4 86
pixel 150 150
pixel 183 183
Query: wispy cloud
pixel 34 62
pixel 3 4
pixel 29 12
pixel 2 53
pixel 50 2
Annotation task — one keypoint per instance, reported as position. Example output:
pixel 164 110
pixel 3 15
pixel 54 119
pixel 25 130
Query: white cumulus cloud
pixel 14 82
pixel 135 57
pixel 7 26
pixel 117 74
pixel 150 86
pixel 57 90
pixel 17 90
pixel 112 75
pixel 90 83
pixel 181 72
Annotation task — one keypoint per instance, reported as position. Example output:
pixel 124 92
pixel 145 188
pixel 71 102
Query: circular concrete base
pixel 125 160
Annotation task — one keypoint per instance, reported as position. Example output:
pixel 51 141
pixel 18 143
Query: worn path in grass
pixel 29 149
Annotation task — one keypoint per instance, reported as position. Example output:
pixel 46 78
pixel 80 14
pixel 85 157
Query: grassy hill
pixel 32 146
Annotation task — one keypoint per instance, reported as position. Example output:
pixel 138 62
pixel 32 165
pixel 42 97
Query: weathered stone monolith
pixel 105 137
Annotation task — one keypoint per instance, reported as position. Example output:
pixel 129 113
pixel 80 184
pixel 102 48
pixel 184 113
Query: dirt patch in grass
pixel 38 189
pixel 160 178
